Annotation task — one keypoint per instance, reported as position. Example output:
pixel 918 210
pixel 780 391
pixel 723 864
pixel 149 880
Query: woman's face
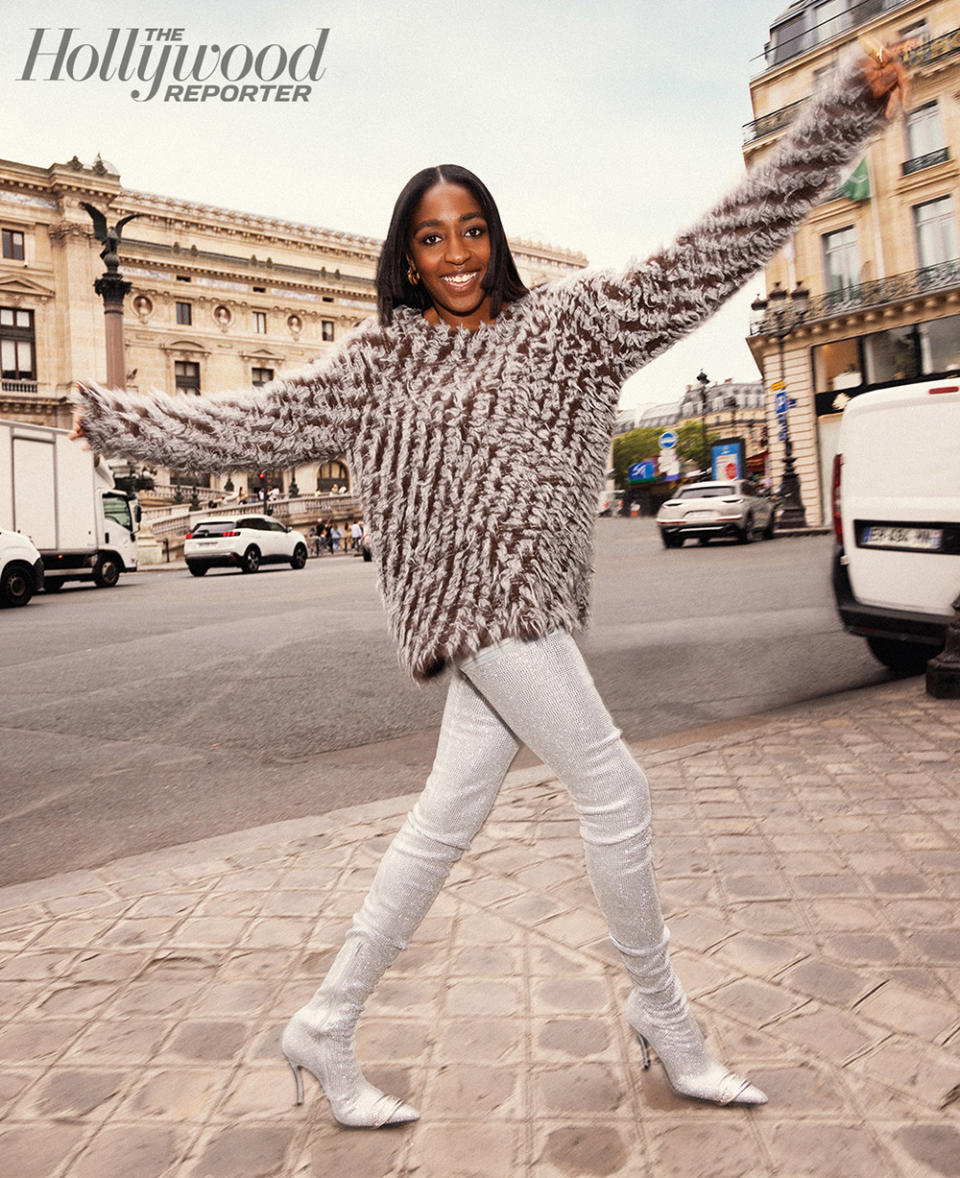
pixel 450 248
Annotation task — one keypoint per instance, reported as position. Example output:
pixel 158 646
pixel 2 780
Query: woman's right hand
pixel 76 427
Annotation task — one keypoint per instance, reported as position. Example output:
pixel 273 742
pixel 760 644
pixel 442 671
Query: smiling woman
pixel 479 415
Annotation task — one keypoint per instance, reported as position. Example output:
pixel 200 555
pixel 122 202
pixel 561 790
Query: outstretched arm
pixel 309 415
pixel 634 316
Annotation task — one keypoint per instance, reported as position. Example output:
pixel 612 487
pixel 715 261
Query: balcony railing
pixel 19 386
pixel 930 51
pixel 877 293
pixel 919 162
pixel 774 121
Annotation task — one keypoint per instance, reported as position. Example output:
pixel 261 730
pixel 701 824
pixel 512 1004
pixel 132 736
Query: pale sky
pixel 603 126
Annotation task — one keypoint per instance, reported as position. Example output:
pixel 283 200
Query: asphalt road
pixel 173 708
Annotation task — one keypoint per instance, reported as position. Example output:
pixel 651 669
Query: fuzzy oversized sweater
pixel 479 455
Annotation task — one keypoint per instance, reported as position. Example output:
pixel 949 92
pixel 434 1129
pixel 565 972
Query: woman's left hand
pixel 886 75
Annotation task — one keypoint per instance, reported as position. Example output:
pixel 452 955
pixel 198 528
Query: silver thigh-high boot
pixel 543 690
pixel 473 754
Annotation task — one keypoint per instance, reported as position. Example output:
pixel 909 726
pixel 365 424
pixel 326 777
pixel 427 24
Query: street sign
pixel 642 472
pixel 780 404
pixel 776 385
pixel 668 439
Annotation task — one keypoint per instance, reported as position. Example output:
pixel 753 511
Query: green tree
pixel 633 447
pixel 690 444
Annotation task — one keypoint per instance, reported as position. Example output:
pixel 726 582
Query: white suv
pixel 896 520
pixel 242 541
pixel 21 569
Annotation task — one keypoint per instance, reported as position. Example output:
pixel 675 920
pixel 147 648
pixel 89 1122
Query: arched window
pixel 332 474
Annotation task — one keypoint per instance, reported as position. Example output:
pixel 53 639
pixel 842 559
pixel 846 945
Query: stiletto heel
pixel 691 1070
pixel 298 1079
pixel 644 1050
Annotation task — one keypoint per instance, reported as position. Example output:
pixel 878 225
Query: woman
pixel 478 415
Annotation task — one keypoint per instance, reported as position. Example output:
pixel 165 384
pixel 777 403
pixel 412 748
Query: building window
pixel 925 146
pixel 831 19
pixel 326 330
pixel 332 476
pixel 936 228
pixel 13 245
pixel 17 351
pixel 836 366
pixel 940 345
pixel 187 376
pixel 260 322
pixel 262 376
pixel 184 314
pixel 841 261
pixel 891 355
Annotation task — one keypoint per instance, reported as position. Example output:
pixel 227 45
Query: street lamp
pixel 786 318
pixel 703 380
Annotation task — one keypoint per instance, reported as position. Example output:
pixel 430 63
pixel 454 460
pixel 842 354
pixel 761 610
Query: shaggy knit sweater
pixel 479 455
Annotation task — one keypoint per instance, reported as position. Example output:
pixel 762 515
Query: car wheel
pixel 16 585
pixel 905 658
pixel 670 541
pixel 198 570
pixel 52 584
pixel 747 535
pixel 299 558
pixel 251 559
pixel 768 530
pixel 703 541
pixel 106 572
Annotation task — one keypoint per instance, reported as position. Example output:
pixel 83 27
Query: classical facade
pixel 219 299
pixel 880 256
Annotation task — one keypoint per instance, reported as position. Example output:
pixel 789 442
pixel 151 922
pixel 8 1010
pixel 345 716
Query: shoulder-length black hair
pixel 394 289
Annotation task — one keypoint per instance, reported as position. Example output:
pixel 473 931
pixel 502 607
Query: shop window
pixel 891 355
pixel 940 345
pixel 836 366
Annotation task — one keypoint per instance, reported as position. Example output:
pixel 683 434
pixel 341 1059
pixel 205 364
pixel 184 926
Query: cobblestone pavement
pixel 810 864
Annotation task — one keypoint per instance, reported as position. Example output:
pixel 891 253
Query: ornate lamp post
pixel 703 381
pixel 112 287
pixel 786 319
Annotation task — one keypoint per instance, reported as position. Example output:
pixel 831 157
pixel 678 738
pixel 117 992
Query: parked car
pixel 21 568
pixel 707 510
pixel 896 520
pixel 245 542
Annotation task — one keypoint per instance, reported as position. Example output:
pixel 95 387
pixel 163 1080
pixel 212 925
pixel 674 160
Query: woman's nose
pixel 457 250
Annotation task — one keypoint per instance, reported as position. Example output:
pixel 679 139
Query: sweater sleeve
pixel 308 415
pixel 628 318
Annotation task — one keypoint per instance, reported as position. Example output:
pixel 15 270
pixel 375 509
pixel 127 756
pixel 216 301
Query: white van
pixel 896 520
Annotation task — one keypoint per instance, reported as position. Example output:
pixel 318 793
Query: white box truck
pixel 896 519
pixel 64 499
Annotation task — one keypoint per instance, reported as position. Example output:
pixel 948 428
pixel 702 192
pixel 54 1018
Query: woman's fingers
pixel 886 74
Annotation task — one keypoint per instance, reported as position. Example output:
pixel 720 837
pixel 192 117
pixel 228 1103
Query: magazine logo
pixel 167 65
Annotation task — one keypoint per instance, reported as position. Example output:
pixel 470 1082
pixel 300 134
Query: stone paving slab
pixel 810 864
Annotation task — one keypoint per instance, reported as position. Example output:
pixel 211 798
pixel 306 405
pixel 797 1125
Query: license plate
pixel 700 514
pixel 912 539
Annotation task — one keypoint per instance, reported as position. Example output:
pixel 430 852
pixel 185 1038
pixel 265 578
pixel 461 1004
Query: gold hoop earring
pixel 412 276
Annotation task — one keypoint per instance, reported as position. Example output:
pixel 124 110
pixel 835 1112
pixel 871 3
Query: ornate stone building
pixel 880 256
pixel 220 299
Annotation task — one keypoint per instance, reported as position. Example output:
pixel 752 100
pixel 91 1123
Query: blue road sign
pixel 780 404
pixel 668 439
pixel 642 472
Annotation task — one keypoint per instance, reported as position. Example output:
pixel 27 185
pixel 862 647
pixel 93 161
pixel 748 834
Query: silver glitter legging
pixel 538 692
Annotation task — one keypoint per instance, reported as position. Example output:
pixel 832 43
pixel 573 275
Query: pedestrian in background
pixel 479 416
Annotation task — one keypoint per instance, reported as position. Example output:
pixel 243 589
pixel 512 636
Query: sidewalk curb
pixel 662 750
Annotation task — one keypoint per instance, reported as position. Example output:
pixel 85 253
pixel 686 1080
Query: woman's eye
pixel 475 231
